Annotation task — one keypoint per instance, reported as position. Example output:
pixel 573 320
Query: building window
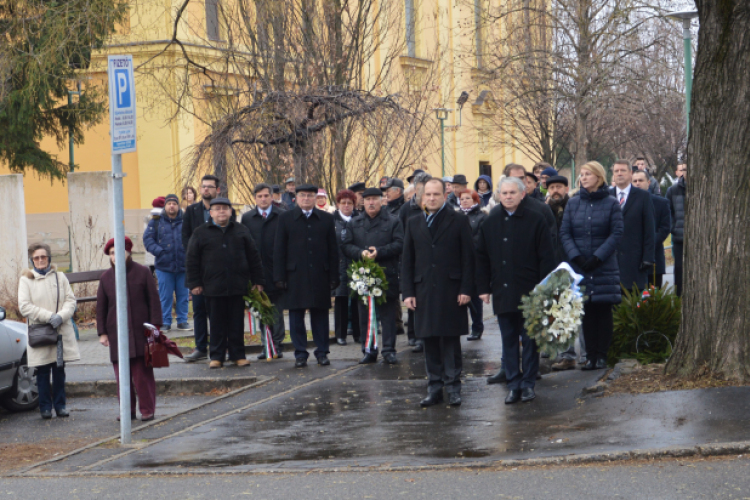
pixel 411 28
pixel 212 20
pixel 478 31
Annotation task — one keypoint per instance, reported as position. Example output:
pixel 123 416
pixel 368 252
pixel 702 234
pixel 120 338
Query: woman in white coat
pixel 37 291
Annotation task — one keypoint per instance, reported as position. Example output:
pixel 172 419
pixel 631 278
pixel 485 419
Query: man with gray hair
pixel 514 253
pixel 409 210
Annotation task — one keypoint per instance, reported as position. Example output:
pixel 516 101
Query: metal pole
pixel 573 172
pixel 442 143
pixel 123 353
pixel 71 154
pixel 687 40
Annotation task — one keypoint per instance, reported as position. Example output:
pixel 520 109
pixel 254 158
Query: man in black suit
pixel 195 216
pixel 437 276
pixel 306 269
pixel 662 222
pixel 262 221
pixel 514 253
pixel 635 254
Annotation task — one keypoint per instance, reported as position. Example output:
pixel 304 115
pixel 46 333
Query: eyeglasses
pixel 39 258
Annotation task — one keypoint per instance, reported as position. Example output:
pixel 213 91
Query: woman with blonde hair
pixel 46 297
pixel 591 229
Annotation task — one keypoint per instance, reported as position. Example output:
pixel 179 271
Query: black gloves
pixel 646 266
pixel 281 285
pixel 592 263
pixel 579 261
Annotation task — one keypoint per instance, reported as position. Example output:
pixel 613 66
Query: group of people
pixel 444 248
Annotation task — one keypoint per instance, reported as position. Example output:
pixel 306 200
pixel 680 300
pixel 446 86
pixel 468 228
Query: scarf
pixel 44 271
pixel 431 217
pixel 467 210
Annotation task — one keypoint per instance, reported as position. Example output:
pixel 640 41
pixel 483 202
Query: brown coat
pixel 143 307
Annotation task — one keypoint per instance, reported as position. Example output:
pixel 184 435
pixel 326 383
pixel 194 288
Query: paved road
pixel 712 479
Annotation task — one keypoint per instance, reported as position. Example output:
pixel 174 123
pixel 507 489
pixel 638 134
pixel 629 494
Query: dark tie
pixel 265 214
pixel 622 198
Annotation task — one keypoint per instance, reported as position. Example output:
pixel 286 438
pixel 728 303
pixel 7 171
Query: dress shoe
pixel 582 360
pixel 601 364
pixel 196 355
pixel 262 355
pixel 498 378
pixel 300 363
pixel 133 416
pixel 432 399
pixel 418 348
pixel 514 396
pixel 215 364
pixel 62 412
pixel 279 354
pixel 454 399
pixel 147 418
pixel 323 361
pixel 368 358
pixel 564 364
pixel 242 362
pixel 46 414
pixel 474 336
pixel 184 327
pixel 590 365
pixel 390 358
pixel 341 341
pixel 527 395
pixel 412 342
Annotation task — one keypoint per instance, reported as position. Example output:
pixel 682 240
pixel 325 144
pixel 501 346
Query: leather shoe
pixel 262 355
pixel 46 414
pixel 474 336
pixel 368 358
pixel 300 363
pixel 62 412
pixel 341 341
pixel 323 361
pixel 454 399
pixel 590 365
pixel 390 358
pixel 147 418
pixel 527 395
pixel 498 378
pixel 432 399
pixel 412 342
pixel 418 348
pixel 133 416
pixel 514 396
pixel 601 364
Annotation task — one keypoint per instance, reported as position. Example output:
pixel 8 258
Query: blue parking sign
pixel 122 109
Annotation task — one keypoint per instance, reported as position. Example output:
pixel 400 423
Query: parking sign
pixel 121 103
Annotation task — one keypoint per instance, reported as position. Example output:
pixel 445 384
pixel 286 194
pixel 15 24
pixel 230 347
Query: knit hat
pixel 549 172
pixel 322 192
pixel 111 243
pixel 171 197
pixel 158 202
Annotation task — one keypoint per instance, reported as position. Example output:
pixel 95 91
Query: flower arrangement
pixel 553 310
pixel 261 311
pixel 367 279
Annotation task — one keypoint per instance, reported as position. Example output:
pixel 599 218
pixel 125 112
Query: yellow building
pixel 436 41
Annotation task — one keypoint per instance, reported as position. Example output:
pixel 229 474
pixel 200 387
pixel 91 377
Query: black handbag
pixel 44 334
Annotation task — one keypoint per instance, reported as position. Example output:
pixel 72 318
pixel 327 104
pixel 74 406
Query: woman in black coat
pixel 591 230
pixel 344 310
pixel 471 204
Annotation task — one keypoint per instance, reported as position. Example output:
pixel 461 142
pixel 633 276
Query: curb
pixel 164 387
pixel 257 348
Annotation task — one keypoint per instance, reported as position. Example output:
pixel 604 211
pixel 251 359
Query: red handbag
pixel 158 346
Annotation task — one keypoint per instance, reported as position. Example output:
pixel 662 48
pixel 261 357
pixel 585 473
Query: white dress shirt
pixel 626 191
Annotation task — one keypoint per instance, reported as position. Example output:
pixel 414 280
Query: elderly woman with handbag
pixel 46 300
pixel 144 306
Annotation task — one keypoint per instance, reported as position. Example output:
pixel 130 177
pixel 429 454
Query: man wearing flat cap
pixel 288 199
pixel 459 182
pixel 394 192
pixel 221 260
pixel 358 188
pixel 377 235
pixel 305 269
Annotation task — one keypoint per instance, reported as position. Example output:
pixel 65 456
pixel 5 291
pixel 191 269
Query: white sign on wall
pixel 121 104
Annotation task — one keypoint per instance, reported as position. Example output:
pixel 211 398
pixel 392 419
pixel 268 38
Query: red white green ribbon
pixel 253 322
pixel 270 348
pixel 372 326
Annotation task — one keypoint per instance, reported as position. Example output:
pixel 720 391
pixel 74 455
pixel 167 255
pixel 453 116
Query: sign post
pixel 122 132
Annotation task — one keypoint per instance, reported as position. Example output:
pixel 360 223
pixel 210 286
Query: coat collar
pixel 299 213
pixel 33 275
pixel 274 212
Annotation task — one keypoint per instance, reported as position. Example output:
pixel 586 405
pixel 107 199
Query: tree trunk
pixel 715 332
pixel 582 140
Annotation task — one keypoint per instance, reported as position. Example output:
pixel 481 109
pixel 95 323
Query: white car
pixel 18 389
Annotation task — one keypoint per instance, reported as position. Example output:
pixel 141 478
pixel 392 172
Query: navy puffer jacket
pixel 163 239
pixel 592 225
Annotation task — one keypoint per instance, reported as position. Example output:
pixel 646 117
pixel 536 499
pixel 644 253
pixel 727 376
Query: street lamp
pixel 686 16
pixel 442 115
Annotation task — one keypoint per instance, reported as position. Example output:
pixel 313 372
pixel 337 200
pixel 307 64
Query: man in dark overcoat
pixel 635 253
pixel 377 235
pixel 662 223
pixel 305 267
pixel 262 222
pixel 514 254
pixel 437 277
pixel 221 260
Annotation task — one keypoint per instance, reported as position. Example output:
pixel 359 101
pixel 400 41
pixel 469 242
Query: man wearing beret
pixel 377 235
pixel 305 269
pixel 221 259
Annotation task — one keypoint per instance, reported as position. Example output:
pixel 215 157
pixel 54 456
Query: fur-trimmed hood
pixel 33 275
